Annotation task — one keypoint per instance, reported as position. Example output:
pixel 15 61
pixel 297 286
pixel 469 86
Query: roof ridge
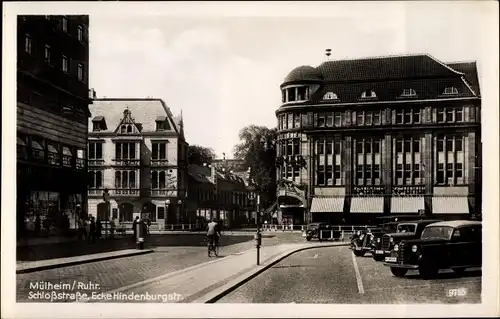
pixel 377 57
pixel 463 61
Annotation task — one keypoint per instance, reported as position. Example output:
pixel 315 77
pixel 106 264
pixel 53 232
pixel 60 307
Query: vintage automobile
pixel 321 231
pixel 404 231
pixel 452 245
pixel 362 241
pixel 386 228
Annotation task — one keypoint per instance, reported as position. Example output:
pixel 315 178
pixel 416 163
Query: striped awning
pixel 327 205
pixel 407 204
pixel 367 205
pixel 271 208
pixel 450 205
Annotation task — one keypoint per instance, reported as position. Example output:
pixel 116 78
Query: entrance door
pixel 126 212
pixel 102 211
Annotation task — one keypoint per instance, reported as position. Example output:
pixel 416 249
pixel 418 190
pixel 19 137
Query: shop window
pixel 53 156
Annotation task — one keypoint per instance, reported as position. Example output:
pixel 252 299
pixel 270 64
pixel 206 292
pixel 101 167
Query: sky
pixel 223 70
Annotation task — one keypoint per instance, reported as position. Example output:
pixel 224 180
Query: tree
pixel 257 150
pixel 200 155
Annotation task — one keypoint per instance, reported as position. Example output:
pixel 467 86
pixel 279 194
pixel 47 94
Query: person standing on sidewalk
pixel 82 234
pixel 134 227
pixel 92 229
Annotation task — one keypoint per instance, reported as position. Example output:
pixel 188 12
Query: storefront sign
pixel 408 190
pixel 368 190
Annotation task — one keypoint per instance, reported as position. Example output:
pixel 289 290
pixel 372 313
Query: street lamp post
pixel 179 203
pixel 167 202
pixel 105 197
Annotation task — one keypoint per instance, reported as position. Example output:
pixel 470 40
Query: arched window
pixel 368 94
pixel 154 180
pixel 131 179
pixel 450 90
pixel 118 183
pixel 124 179
pixel 162 180
pixel 123 129
pixel 408 92
pixel 330 96
pixel 129 128
pixel 98 180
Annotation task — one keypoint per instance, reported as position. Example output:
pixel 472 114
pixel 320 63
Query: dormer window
pixel 330 96
pixel 368 94
pixel 162 123
pixel 99 124
pixel 450 90
pixel 409 92
pixel 296 94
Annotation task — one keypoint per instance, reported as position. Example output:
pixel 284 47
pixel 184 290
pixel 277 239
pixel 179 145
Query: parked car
pixel 404 231
pixel 386 228
pixel 452 245
pixel 314 230
pixel 362 241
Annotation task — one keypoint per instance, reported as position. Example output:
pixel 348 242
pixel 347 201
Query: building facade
pixel 52 120
pixel 380 136
pixel 138 154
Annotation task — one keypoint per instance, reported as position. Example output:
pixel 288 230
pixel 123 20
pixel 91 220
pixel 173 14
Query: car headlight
pixel 378 240
pixel 414 248
pixel 396 247
pixel 391 239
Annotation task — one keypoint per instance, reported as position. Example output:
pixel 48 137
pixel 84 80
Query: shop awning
pixel 327 205
pixel 367 205
pixel 450 205
pixel 20 141
pixel 271 208
pixel 52 149
pixel 35 145
pixel 407 204
pixel 67 151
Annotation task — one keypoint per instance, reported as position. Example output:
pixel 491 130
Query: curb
pixel 219 293
pixel 80 262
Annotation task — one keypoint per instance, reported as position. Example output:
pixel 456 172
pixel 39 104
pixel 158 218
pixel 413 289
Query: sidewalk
pixel 211 280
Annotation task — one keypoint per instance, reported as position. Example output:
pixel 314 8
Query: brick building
pixel 137 152
pixel 364 138
pixel 52 120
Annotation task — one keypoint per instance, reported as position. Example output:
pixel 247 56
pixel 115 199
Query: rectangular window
pixel 369 118
pixel 407 146
pixel 399 116
pixel 399 171
pixel 440 173
pixel 368 147
pixel 321 175
pixel 337 171
pixel 408 171
pixel 440 116
pixel 449 115
pixel 159 151
pixel 449 170
pixel 376 171
pixel 337 119
pixel 376 146
pixel 321 120
pixel 329 147
pixel 321 147
pixel 65 65
pixel 416 146
pixel 440 145
pixel 296 146
pixel 289 147
pixel 290 121
pixel 449 145
pixel 80 72
pixel 296 120
pixel 80 33
pixel 47 53
pixel 359 147
pixel 329 119
pixel 408 116
pixel 27 44
pixel 458 144
pixel 459 169
pixel 161 212
pixel 368 171
pixel 360 115
pixel 416 116
pixel 459 114
pixel 337 147
pixel 416 172
pixel 359 172
pixel 399 146
pixel 376 118
pixel 95 150
pixel 329 175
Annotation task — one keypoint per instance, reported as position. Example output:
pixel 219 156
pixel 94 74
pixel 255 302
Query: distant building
pixel 371 137
pixel 52 119
pixel 137 152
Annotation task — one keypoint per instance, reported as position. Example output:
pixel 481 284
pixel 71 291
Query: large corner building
pixel 52 117
pixel 379 136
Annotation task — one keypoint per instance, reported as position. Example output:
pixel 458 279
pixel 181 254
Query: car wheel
pixel 308 238
pixel 378 257
pixel 357 252
pixel 399 272
pixel 459 271
pixel 428 271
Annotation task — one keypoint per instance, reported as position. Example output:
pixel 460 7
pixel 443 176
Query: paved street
pixel 329 275
pixel 168 257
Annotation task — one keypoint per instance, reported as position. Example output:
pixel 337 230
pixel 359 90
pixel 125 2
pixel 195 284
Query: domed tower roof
pixel 304 73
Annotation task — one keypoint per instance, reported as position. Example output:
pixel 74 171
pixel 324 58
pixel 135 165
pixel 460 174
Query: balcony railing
pixel 162 192
pixel 159 162
pixel 115 192
pixel 127 162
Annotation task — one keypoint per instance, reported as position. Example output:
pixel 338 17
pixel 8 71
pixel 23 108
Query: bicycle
pixel 213 248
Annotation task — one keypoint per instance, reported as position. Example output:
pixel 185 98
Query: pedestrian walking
pixel 134 227
pixel 92 229
pixel 87 229
pixel 148 223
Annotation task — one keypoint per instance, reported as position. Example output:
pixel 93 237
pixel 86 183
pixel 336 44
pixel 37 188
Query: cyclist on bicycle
pixel 213 232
